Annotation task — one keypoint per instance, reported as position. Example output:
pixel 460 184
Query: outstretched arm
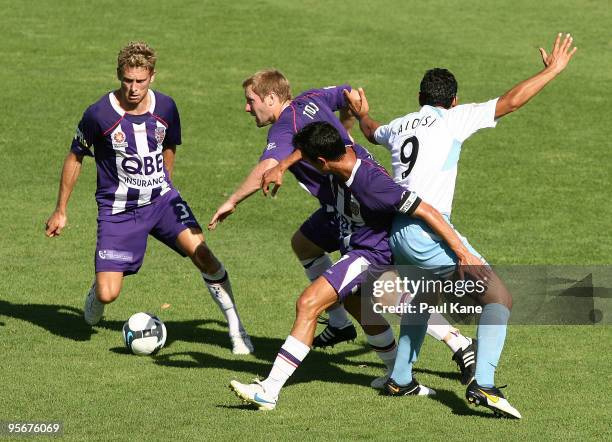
pixel 554 64
pixel 359 107
pixel 70 173
pixel 249 186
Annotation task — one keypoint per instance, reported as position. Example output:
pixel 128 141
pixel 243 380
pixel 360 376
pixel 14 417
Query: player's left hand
pixel 273 175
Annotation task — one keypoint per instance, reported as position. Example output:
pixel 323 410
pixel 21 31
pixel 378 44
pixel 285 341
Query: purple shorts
pixel 122 238
pixel 355 266
pixel 321 229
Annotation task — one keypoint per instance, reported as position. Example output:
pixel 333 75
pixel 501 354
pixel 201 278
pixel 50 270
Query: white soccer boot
pixel 412 389
pixel 254 394
pixel 491 398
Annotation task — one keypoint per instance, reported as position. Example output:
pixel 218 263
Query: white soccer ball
pixel 144 334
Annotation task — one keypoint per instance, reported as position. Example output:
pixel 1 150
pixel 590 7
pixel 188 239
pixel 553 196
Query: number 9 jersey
pixel 128 151
pixel 425 148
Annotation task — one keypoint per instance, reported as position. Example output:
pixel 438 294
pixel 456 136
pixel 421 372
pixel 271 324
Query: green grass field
pixel 536 190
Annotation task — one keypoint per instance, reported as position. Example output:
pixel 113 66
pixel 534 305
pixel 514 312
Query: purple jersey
pixel 310 106
pixel 128 150
pixel 366 204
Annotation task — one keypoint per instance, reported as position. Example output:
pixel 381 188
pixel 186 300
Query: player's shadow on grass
pixel 61 320
pixel 318 366
pixel 453 375
pixel 458 405
pixel 214 332
pixel 67 322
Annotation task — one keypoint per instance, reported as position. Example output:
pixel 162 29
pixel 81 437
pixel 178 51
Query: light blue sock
pixel 412 333
pixel 491 336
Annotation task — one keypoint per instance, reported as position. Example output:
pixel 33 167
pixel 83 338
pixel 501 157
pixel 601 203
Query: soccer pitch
pixel 535 190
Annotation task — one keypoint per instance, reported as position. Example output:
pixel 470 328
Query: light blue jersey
pixel 425 147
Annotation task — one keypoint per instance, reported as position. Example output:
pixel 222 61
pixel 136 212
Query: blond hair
pixel 137 54
pixel 269 81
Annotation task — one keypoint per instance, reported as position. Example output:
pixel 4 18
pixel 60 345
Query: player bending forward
pixel 425 148
pixel 133 132
pixel 269 100
pixel 364 200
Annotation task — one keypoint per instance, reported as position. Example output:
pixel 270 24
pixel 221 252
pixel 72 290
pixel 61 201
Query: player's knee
pixel 308 304
pixel 107 293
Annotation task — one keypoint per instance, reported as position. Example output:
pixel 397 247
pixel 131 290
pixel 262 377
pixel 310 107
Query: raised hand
pixel 359 107
pixel 560 55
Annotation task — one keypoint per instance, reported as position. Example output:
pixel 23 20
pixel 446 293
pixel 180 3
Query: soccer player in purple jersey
pixel 364 200
pixel 269 100
pixel 132 133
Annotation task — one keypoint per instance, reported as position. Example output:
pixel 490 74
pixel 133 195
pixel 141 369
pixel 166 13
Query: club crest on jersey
pixel 118 140
pixel 160 134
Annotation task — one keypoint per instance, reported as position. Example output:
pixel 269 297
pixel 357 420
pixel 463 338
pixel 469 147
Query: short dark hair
pixel 319 139
pixel 438 88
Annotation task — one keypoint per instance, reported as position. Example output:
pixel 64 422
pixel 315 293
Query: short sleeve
pixel 173 132
pixel 280 143
pixel 85 135
pixel 332 96
pixel 466 119
pixel 382 134
pixel 377 191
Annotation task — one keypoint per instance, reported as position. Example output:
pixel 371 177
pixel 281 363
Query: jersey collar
pixel 352 177
pixel 115 103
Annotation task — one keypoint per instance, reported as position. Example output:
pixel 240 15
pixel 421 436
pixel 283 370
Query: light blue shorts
pixel 413 243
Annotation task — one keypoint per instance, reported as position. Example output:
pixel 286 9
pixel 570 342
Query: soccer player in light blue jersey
pixel 425 147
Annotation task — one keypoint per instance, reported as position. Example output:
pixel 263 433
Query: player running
pixel 133 132
pixel 268 99
pixel 425 148
pixel 364 200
